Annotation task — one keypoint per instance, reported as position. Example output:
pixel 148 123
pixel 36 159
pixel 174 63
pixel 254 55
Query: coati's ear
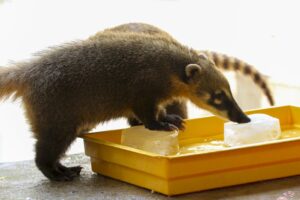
pixel 203 56
pixel 191 70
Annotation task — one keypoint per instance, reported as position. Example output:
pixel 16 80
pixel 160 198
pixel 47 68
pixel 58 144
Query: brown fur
pixel 71 88
pixel 221 60
pixel 177 107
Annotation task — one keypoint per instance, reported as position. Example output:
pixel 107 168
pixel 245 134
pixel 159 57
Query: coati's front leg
pixel 177 108
pixel 155 119
pixel 176 111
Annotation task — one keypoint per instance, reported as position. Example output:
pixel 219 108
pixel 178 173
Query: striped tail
pixel 231 63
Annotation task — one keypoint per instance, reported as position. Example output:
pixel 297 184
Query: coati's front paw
pixel 175 120
pixel 161 126
pixel 134 122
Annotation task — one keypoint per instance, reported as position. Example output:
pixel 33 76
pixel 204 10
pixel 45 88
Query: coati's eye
pixel 218 96
pixel 218 99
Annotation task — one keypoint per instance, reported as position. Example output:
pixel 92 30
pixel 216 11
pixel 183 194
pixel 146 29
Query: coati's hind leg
pixel 54 134
pixel 52 142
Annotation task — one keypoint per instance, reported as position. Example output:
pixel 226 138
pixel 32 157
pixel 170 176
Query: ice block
pixel 262 128
pixel 160 142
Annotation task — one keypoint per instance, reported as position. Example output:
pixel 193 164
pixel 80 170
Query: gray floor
pixel 22 180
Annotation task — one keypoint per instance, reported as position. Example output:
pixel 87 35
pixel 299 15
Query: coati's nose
pixel 239 116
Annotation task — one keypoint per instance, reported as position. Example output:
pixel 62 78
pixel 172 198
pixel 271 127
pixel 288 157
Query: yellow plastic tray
pixel 196 169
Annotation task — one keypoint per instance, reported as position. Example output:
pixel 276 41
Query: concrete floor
pixel 22 180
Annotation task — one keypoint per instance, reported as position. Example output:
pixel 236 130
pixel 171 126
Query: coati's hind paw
pixel 70 171
pixel 61 173
pixel 175 120
pixel 56 175
pixel 161 126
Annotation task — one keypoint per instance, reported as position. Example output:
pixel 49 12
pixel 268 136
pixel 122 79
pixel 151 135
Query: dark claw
pixel 175 120
pixel 171 127
pixel 161 126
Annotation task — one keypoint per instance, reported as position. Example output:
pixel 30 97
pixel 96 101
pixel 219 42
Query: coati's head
pixel 210 90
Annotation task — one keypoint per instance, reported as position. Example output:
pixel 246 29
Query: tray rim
pixel 177 156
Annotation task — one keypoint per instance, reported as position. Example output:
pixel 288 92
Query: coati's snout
pixel 237 115
pixel 210 90
pixel 223 104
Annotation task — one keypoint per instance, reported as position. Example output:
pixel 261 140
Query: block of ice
pixel 160 142
pixel 262 128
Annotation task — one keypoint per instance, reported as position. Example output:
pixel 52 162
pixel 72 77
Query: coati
pixel 73 87
pixel 221 60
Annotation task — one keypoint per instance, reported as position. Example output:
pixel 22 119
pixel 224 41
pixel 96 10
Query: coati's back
pixel 115 64
pixel 222 61
pixel 137 28
pixel 95 81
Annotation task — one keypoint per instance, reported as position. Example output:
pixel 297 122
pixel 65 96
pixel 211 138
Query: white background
pixel 264 33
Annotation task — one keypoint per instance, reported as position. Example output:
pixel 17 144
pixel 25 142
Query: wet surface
pixel 22 180
pixel 217 143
